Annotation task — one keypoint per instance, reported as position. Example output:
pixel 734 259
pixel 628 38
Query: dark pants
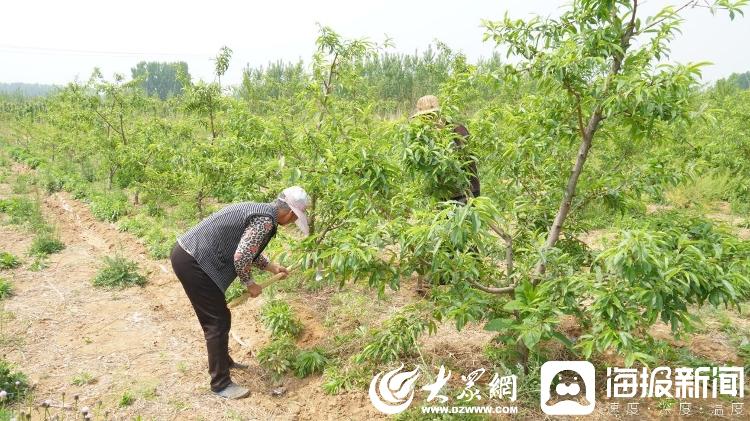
pixel 211 308
pixel 461 198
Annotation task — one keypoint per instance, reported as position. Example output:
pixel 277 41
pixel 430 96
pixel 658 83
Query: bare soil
pixel 143 341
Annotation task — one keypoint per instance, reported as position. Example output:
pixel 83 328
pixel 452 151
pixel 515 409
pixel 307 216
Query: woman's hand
pixel 254 290
pixel 276 268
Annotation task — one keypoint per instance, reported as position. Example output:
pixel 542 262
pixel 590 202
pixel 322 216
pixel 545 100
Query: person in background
pixel 222 247
pixel 428 108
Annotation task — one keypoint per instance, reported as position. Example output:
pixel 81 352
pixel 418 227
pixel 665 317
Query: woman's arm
pixel 246 256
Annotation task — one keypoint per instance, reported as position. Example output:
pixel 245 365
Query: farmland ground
pixel 72 338
pixel 141 341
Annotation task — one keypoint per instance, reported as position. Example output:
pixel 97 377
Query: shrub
pixel 309 362
pixel 51 182
pixel 79 189
pixel 6 289
pixel 279 356
pixel 25 157
pixel 277 316
pixel 158 244
pixel 45 244
pixel 659 272
pixel 118 272
pixel 14 383
pixel 137 225
pixel 8 261
pixel 24 211
pixel 109 207
pixel 154 209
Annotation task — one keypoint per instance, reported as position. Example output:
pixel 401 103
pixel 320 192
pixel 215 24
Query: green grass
pixel 6 289
pixel 23 183
pixel 8 261
pixel 700 191
pixel 82 379
pixel 118 272
pixel 126 399
pixel 347 310
pixel 138 225
pixel 25 157
pixel 39 263
pixel 158 244
pixel 78 189
pixel 46 244
pixel 12 381
pixel 158 241
pixel 52 182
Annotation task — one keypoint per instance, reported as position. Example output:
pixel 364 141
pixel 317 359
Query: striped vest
pixel 214 240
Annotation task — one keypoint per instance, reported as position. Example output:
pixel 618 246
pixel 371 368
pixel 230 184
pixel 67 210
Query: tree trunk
pixel 110 177
pixel 522 349
pixel 311 219
pixel 122 130
pixel 213 131
pixel 570 189
pixel 199 203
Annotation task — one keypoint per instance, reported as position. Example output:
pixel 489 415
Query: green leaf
pixel 531 338
pixel 498 325
pixel 562 338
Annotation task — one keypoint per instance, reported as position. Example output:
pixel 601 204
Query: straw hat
pixel 426 105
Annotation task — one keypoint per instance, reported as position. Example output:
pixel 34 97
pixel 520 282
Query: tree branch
pixel 503 290
pixel 107 121
pixel 329 228
pixel 508 264
pixel 508 248
pixel 577 96
pixel 588 136
pixel 658 21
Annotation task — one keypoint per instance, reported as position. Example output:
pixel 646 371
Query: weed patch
pixel 119 272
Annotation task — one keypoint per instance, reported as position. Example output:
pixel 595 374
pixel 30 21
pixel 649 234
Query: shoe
pixel 233 391
pixel 239 366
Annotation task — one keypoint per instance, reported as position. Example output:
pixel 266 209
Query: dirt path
pixel 141 341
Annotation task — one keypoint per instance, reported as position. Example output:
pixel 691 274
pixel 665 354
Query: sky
pixel 59 41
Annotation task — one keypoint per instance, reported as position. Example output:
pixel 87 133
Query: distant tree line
pixel 736 80
pixel 396 79
pixel 27 89
pixel 160 79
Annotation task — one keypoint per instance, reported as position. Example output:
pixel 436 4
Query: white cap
pixel 298 201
